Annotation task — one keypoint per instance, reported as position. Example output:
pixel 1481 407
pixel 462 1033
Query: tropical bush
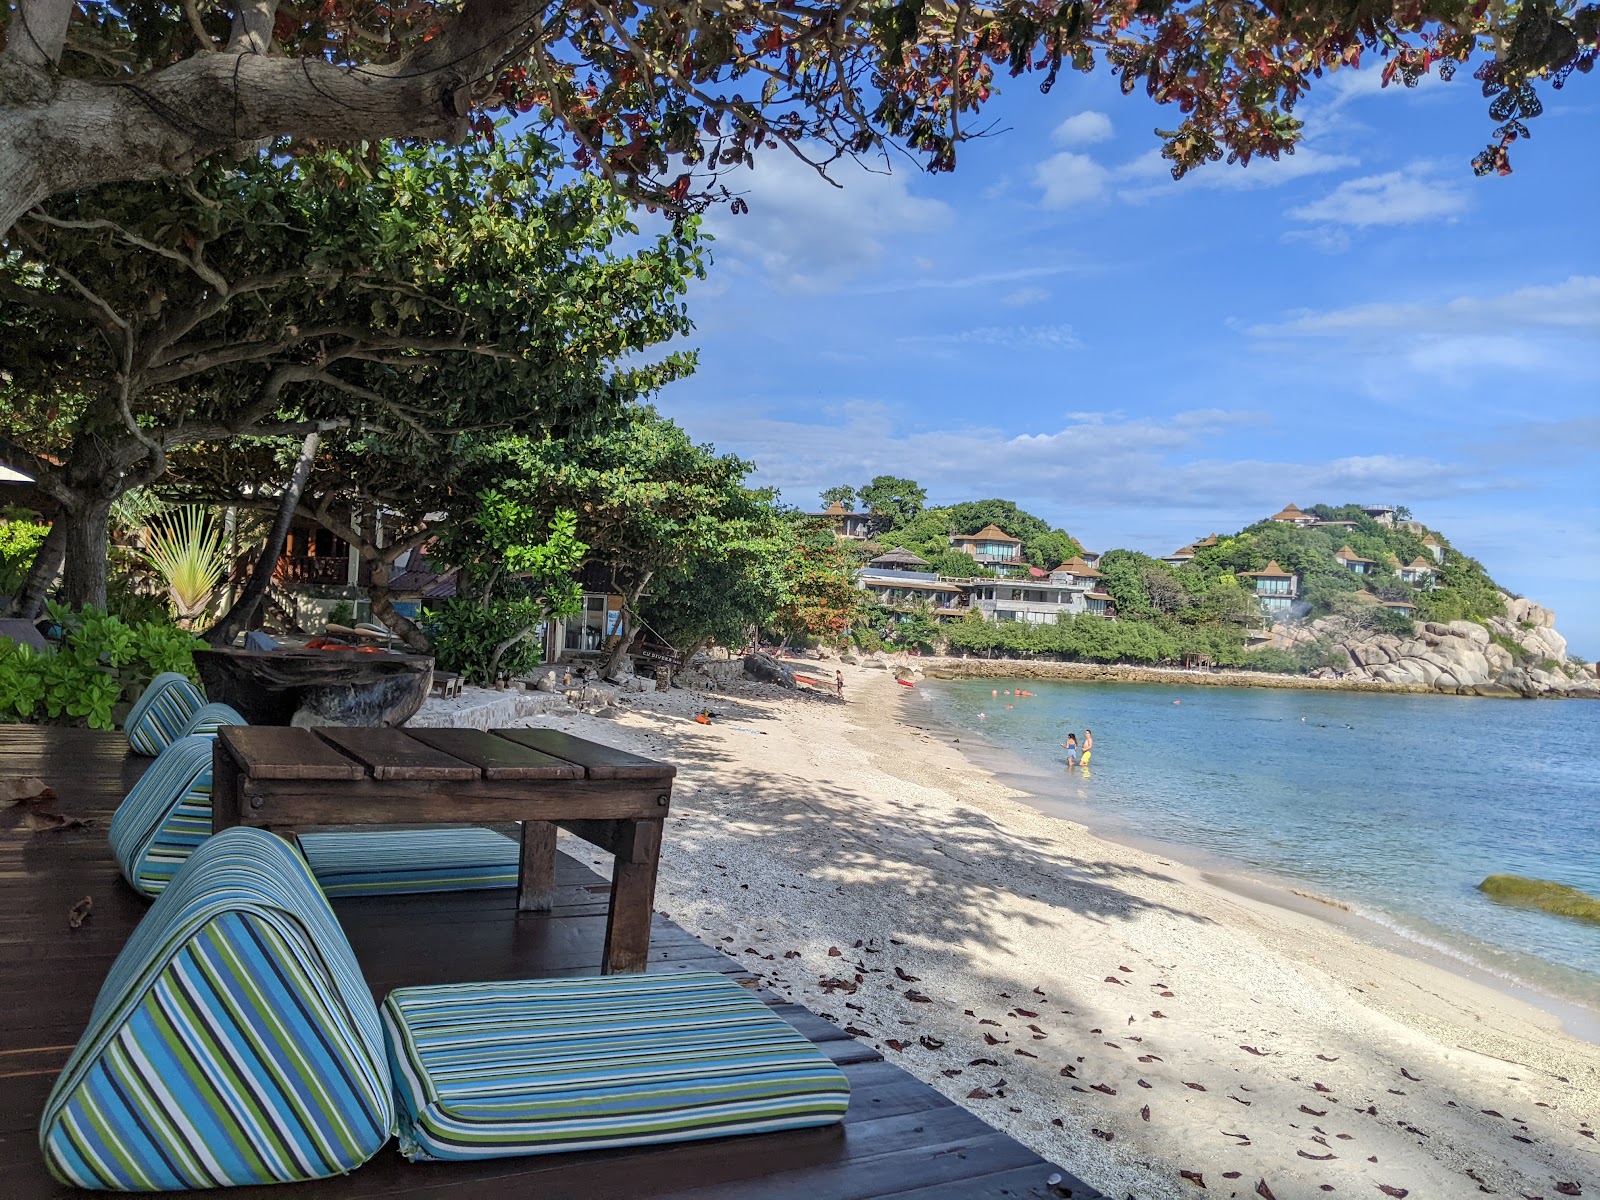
pixel 466 633
pixel 20 537
pixel 100 661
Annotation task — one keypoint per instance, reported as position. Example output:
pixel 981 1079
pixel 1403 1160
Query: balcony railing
pixel 322 568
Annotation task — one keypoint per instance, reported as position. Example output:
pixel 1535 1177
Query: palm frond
pixel 186 552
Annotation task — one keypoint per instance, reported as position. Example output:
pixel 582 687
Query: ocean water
pixel 1398 806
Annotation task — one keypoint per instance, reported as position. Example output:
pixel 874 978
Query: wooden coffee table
pixel 287 779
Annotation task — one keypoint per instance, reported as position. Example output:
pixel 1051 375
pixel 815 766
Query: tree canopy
pixel 666 98
pixel 402 300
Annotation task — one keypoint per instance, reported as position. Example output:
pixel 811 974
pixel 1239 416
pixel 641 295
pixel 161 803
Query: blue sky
pixel 1144 361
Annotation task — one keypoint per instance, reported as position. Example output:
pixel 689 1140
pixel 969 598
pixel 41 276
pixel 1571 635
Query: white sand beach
pixel 1111 1008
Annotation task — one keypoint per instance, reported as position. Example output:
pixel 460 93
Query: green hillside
pixel 1202 607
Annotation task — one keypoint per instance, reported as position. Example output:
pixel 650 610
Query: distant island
pixel 1356 593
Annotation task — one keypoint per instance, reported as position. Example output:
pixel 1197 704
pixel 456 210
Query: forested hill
pixel 1462 632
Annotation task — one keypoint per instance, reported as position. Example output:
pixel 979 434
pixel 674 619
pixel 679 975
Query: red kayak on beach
pixel 905 683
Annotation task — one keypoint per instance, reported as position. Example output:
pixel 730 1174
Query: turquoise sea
pixel 1398 806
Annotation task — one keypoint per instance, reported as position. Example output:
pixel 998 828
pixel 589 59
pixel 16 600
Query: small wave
pixel 1544 982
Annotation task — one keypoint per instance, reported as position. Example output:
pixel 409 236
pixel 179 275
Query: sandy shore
pixel 1111 1008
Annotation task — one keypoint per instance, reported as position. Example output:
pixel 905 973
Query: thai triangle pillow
pixel 233 1042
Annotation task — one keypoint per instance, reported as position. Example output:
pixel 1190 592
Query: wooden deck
pixel 901 1138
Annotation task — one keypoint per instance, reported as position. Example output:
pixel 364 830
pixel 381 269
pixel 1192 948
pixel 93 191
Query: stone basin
pixel 316 687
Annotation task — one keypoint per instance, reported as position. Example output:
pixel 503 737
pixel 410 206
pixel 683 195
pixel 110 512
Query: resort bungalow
pixel 1037 603
pixel 1276 588
pixel 1404 607
pixel 1092 557
pixel 1419 573
pixel 901 579
pixel 1075 573
pixel 846 524
pixel 1293 516
pixel 1352 560
pixel 1100 603
pixel 1179 556
pixel 991 547
pixel 1434 547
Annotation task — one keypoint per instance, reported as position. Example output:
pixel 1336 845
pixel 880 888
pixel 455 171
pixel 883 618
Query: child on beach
pixel 1071 745
pixel 1088 745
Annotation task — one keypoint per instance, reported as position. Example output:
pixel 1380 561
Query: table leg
pixel 225 780
pixel 633 897
pixel 536 879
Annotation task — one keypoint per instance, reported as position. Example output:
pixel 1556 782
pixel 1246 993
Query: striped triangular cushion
pixel 158 716
pixel 234 1041
pixel 540 1066
pixel 208 718
pixel 165 815
pixel 396 862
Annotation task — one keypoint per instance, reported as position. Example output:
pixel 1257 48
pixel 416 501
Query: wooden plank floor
pixel 901 1138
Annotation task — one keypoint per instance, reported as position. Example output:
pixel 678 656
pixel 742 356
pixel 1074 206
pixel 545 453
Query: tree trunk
pixel 29 600
pixel 625 638
pixel 86 551
pixel 384 612
pixel 59 134
pixel 242 614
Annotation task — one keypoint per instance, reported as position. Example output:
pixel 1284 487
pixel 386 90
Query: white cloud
pixel 1151 175
pixel 1024 296
pixel 1101 461
pixel 808 235
pixel 1068 179
pixel 1011 337
pixel 1393 198
pixel 1571 307
pixel 1083 129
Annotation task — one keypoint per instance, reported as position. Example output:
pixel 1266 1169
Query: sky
pixel 1143 361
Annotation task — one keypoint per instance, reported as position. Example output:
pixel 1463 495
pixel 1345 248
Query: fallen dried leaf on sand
pixel 80 912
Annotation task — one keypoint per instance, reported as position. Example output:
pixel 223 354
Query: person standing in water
pixel 1071 746
pixel 1088 746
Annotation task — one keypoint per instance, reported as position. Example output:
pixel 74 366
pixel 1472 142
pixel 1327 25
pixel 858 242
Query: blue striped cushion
pixel 165 815
pixel 541 1066
pixel 159 715
pixel 399 862
pixel 208 718
pixel 233 1041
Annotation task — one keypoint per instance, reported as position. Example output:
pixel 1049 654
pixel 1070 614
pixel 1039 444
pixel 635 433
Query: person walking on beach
pixel 1088 745
pixel 838 683
pixel 1071 745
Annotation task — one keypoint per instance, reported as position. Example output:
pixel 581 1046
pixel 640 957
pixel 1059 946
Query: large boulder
pixel 1470 630
pixel 766 669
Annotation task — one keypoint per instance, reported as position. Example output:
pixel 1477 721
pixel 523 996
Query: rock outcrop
pixel 1519 654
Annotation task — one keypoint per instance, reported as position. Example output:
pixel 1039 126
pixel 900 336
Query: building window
pixel 586 628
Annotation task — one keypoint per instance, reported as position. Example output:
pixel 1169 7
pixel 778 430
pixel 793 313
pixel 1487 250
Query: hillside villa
pixel 901 579
pixel 991 547
pixel 1276 589
pixel 853 525
pixel 1352 560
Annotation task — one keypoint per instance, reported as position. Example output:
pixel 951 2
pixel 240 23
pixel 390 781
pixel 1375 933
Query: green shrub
pixel 465 635
pixel 1518 654
pixel 20 538
pixel 342 613
pixel 101 660
pixel 866 641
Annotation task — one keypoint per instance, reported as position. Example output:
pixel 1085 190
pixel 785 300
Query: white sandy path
pixel 835 827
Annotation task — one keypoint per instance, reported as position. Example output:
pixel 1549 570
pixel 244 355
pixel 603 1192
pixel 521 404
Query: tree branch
pixel 39 32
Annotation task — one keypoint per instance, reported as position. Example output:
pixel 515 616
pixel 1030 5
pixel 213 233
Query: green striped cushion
pixel 233 1042
pixel 541 1066
pixel 165 815
pixel 158 716
pixel 208 718
pixel 398 862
